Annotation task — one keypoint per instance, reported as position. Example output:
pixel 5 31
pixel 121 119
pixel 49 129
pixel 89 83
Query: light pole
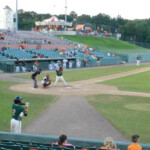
pixel 16 14
pixel 65 13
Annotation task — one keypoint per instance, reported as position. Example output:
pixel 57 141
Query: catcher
pixel 46 81
pixel 18 111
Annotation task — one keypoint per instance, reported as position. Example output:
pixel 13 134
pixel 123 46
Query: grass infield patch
pixel 84 74
pixel 38 103
pixel 116 109
pixel 138 82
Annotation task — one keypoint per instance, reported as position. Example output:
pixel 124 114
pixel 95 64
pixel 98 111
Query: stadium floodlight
pixel 16 14
pixel 65 12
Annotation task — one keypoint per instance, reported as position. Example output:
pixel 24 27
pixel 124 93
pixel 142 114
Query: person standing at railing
pixel 135 145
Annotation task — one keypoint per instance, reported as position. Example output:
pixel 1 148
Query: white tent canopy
pixel 53 21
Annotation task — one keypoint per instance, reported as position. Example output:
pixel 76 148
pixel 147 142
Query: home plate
pixel 68 87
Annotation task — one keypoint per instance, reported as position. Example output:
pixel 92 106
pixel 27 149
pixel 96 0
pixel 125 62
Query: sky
pixel 128 9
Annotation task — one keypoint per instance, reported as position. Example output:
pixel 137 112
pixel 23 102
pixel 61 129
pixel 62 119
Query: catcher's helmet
pixel 17 100
pixel 47 75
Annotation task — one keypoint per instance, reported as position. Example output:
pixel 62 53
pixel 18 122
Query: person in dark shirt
pixel 24 66
pixel 17 65
pixel 59 76
pixel 34 77
pixel 98 61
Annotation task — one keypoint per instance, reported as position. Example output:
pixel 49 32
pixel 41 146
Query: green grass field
pixel 130 115
pixel 138 82
pixel 38 103
pixel 108 44
pixel 84 74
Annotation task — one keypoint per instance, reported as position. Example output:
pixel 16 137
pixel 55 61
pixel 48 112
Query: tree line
pixel 131 30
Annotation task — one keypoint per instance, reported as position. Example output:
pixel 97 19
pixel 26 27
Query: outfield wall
pixel 131 58
pixel 74 141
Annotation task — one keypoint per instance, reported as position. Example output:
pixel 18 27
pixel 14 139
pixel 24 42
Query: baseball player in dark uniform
pixel 18 111
pixel 59 76
pixel 34 77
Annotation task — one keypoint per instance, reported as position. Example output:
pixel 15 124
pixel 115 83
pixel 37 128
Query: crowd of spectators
pixel 109 143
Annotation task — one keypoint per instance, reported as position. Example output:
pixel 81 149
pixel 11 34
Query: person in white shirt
pixel 78 64
pixel 70 64
pixel 50 66
pixel 65 63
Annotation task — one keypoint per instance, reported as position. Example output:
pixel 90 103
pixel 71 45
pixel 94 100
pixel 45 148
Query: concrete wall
pixel 64 32
pixel 74 141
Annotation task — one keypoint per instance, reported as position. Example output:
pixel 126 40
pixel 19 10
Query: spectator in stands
pixel 62 142
pixel 17 65
pixel 4 48
pixel 109 144
pixel 85 62
pixel 8 46
pixel 21 46
pixel 40 56
pixel 23 66
pixel 135 145
pixel 34 56
pixel 56 50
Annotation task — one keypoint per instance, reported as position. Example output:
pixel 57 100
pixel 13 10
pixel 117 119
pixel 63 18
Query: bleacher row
pixel 28 54
pixel 43 46
pixel 31 145
pixel 32 37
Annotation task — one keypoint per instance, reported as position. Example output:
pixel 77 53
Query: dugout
pixel 10 67
pixel 75 141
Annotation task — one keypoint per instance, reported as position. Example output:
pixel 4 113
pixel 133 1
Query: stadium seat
pixel 33 148
pixel 12 147
pixel 5 140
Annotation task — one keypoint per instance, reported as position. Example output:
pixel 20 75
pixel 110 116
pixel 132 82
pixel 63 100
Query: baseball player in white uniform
pixel 59 76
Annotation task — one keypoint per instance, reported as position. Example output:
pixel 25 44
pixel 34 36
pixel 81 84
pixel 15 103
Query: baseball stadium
pixel 71 83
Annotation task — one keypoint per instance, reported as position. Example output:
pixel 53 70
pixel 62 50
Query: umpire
pixel 34 77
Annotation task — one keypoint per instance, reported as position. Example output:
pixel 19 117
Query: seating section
pixel 16 53
pixel 32 37
pixel 46 53
pixel 3 57
pixel 31 145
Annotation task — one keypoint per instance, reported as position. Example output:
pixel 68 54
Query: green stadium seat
pixel 12 147
pixel 89 148
pixel 7 143
pixel 5 140
pixel 33 148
